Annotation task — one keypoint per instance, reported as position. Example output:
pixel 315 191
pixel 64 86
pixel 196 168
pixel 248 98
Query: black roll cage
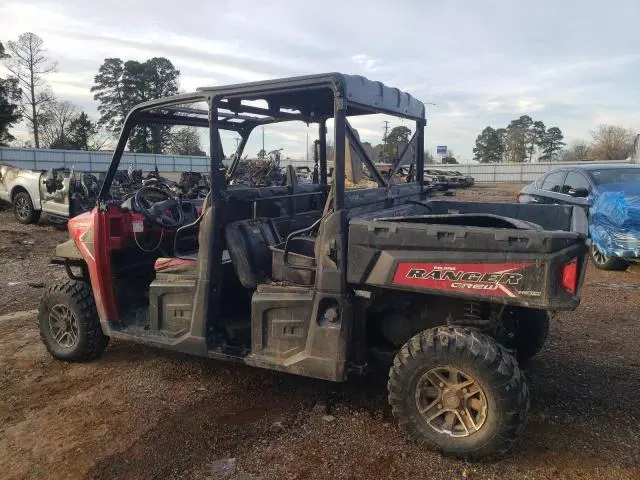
pixel 309 99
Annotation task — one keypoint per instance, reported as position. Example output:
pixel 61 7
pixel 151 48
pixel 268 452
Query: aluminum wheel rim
pixel 22 207
pixel 451 401
pixel 63 325
pixel 599 257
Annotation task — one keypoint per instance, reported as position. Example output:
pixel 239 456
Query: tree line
pixel 518 142
pixel 524 140
pixel 608 142
pixel 26 96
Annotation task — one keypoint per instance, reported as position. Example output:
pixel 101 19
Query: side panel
pixel 483 279
pixel 298 331
pixel 515 279
pixel 4 182
pixel 91 235
pixel 56 203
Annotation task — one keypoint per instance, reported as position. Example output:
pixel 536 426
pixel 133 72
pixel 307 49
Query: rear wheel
pixel 69 324
pixel 606 262
pixel 459 392
pixel 23 208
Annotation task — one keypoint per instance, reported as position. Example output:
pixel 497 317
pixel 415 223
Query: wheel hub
pixel 63 325
pixel 22 208
pixel 451 401
pixel 599 256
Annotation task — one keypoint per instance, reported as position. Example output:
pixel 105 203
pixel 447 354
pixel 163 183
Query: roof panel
pixel 365 95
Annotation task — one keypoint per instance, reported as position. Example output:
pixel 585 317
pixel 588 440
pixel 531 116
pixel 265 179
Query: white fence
pixel 510 172
pixel 43 159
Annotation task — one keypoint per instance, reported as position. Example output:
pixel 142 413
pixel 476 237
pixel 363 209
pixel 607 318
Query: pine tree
pixel 9 107
pixel 119 86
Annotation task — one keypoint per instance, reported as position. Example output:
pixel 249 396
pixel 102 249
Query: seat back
pixel 248 243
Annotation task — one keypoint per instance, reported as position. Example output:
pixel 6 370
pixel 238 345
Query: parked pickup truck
pixel 57 193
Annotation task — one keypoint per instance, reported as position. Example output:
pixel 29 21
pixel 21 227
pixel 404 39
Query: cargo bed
pixel 529 255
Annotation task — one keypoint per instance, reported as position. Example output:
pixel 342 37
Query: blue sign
pixel 441 149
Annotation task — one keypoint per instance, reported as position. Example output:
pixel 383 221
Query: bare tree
pixel 103 140
pixel 54 124
pixel 185 141
pixel 29 64
pixel 578 151
pixel 611 142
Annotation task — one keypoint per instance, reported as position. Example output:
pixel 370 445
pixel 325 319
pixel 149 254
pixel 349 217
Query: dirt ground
pixel 25 251
pixel 140 413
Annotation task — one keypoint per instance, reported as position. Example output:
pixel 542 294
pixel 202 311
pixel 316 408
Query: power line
pixel 386 130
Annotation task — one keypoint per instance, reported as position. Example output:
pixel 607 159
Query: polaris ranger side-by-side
pixel 316 279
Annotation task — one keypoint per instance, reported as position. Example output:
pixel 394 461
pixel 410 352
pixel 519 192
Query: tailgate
pixel 541 269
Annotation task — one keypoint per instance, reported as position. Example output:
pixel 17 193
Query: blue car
pixel 610 193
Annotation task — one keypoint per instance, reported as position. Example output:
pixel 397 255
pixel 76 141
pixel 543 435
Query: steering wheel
pixel 159 206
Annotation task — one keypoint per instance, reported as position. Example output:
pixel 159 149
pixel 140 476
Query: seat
pixel 177 268
pixel 301 261
pixel 249 244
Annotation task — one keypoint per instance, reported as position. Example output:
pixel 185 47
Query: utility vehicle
pixel 320 280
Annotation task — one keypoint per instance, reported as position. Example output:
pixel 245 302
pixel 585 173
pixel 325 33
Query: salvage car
pixel 451 179
pixel 32 193
pixel 320 280
pixel 587 186
pixel 463 180
pixel 61 193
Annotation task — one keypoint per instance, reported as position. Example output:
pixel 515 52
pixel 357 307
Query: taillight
pixel 570 276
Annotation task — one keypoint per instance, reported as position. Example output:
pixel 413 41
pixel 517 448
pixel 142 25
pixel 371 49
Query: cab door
pixel 550 192
pixel 54 194
pixel 576 190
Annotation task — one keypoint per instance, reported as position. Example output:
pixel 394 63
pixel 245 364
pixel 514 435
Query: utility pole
pixel 263 138
pixel 384 140
pixel 307 151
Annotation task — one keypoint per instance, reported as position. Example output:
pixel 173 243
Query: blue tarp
pixel 615 223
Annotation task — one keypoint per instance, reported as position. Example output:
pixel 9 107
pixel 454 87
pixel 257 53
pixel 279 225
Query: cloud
pixel 481 64
pixel 370 64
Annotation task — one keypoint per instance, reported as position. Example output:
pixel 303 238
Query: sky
pixel 571 64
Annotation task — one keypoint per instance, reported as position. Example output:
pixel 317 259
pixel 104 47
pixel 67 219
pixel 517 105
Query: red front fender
pixel 90 232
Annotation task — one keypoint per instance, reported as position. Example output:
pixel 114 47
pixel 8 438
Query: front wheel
pixel 459 392
pixel 69 324
pixel 23 209
pixel 606 262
